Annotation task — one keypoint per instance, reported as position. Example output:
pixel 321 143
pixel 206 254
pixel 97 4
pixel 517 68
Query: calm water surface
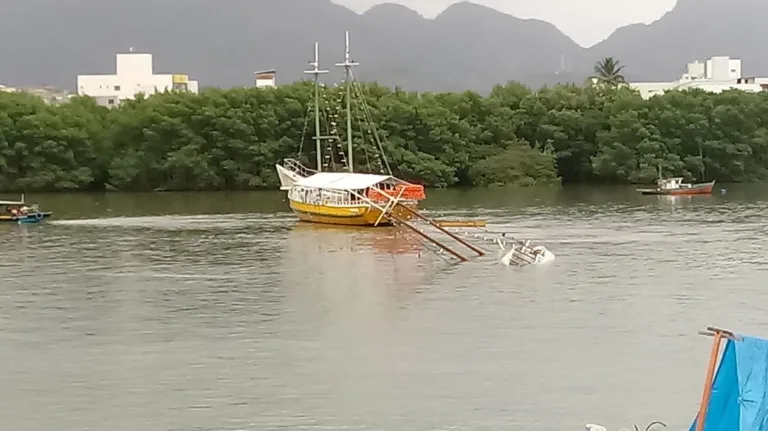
pixel 168 312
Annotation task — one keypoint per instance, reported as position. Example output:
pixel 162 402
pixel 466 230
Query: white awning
pixel 13 203
pixel 341 181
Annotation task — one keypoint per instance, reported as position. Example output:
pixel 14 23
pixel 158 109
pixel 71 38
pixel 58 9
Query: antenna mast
pixel 317 72
pixel 347 65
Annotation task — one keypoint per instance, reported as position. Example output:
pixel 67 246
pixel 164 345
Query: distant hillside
pixel 693 30
pixel 220 43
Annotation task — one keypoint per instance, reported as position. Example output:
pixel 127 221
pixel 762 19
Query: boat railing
pixel 409 192
pixel 337 198
pixel 295 166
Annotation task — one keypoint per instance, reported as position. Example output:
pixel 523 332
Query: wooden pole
pixel 717 335
pixel 429 238
pixel 477 250
pixel 393 216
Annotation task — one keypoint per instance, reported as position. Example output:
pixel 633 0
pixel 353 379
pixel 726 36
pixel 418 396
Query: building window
pixel 117 88
pixel 111 101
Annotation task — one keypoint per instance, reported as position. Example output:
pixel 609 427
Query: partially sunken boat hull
pixel 696 189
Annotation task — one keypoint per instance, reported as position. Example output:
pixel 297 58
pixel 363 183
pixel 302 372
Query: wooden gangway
pixel 401 215
pixel 393 215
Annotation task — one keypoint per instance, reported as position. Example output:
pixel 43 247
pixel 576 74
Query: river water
pixel 166 312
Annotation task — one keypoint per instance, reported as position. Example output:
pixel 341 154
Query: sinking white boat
pixel 522 253
pixel 513 252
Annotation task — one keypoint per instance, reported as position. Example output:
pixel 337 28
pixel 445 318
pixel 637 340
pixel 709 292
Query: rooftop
pixel 341 180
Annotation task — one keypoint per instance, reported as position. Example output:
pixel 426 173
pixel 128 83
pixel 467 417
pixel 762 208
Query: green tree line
pixel 231 139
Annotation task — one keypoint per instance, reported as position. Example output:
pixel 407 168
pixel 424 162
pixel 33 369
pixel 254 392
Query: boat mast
pixel 347 65
pixel 317 72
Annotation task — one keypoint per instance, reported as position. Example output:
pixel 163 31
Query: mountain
pixel 693 30
pixel 221 43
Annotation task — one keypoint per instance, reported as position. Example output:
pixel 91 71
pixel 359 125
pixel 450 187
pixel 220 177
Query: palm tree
pixel 608 72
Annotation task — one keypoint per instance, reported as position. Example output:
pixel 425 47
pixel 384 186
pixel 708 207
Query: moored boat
pixel 20 213
pixel 353 199
pixel 349 198
pixel 676 186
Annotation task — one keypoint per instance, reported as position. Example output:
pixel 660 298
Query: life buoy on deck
pixel 39 215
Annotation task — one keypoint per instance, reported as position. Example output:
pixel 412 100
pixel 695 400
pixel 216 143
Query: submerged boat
pixel 18 212
pixel 324 195
pixel 676 186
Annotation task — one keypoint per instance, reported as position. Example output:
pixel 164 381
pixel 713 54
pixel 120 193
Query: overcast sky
pixel 585 21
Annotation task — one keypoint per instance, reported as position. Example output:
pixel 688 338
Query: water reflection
pixel 345 266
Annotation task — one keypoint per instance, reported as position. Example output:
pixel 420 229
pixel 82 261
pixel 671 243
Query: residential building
pixel 265 78
pixel 714 75
pixel 134 74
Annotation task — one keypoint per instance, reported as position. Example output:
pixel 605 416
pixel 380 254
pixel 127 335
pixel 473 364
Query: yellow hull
pixel 360 215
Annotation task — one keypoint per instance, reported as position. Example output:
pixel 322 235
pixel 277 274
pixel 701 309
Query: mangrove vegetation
pixel 231 139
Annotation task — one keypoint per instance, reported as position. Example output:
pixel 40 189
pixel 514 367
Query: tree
pixel 608 72
pixel 231 139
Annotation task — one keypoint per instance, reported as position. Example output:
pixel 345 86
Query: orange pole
pixel 718 335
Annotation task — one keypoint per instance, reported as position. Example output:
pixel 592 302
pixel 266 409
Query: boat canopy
pixel 739 400
pixel 13 203
pixel 342 181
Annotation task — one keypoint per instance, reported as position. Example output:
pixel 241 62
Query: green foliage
pixel 231 139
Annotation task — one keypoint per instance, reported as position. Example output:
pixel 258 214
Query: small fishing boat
pixel 676 187
pixel 18 212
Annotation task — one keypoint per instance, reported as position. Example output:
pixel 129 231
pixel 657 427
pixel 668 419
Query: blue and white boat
pixel 20 213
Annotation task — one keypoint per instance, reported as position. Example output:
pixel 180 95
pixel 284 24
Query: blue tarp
pixel 739 400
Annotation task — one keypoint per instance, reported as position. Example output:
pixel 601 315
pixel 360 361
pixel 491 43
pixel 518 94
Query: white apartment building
pixel 134 74
pixel 714 75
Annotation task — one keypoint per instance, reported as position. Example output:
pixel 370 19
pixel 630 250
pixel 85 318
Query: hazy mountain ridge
pixel 467 46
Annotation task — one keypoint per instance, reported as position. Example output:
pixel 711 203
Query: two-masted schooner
pixel 344 197
pixel 322 195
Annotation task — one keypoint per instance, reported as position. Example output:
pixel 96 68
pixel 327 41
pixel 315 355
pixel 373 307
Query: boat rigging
pixel 323 195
